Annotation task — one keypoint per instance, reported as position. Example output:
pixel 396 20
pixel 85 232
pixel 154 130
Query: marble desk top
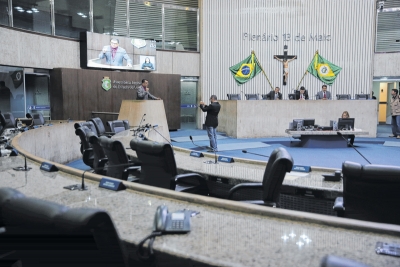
pixel 355 132
pixel 224 233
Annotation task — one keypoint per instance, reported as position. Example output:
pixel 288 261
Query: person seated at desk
pixel 324 94
pixel 147 65
pixel 346 115
pixel 302 94
pixel 275 95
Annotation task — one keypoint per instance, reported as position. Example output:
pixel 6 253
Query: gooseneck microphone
pixel 215 153
pixel 245 151
pixel 341 135
pixel 154 128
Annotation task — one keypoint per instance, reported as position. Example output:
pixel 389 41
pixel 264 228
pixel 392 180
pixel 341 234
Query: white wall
pixel 350 24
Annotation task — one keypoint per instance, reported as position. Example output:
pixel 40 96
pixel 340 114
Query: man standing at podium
pixel 212 121
pixel 143 92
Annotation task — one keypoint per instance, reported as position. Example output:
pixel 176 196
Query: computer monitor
pixel 345 123
pixel 362 96
pixel 292 96
pixel 343 97
pixel 296 122
pixel 251 96
pixel 234 97
pixel 308 122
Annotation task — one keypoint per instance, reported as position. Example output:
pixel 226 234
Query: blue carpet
pixel 195 138
pixel 78 164
pixel 392 143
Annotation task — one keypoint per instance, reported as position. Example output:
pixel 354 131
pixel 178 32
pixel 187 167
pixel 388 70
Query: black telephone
pixel 176 222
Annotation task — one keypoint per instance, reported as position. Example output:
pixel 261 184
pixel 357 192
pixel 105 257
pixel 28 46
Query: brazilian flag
pixel 245 70
pixel 323 69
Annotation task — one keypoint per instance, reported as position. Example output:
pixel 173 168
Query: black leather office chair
pixel 370 193
pixel 234 97
pixel 43 233
pixel 280 162
pixel 6 194
pixel 118 125
pixel 99 156
pixel 38 119
pixel 88 124
pixel 101 130
pixel 334 261
pixel 86 147
pixel 119 166
pixel 159 168
pixel 252 96
pixel 7 121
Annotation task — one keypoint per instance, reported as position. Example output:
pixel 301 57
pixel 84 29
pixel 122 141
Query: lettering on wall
pixel 287 37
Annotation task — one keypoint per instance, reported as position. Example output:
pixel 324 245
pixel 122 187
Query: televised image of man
pixel 143 92
pixel 114 54
pixel 211 121
pixel 275 95
pixel 302 94
pixel 324 94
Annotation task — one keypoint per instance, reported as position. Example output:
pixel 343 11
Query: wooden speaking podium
pixel 133 111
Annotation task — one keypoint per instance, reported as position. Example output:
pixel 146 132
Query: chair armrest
pixel 243 186
pixel 185 176
pixel 129 170
pixel 338 206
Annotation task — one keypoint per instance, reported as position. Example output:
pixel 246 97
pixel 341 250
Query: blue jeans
pixel 396 125
pixel 212 134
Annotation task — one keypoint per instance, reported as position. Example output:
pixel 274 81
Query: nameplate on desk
pixel 299 168
pixel 196 154
pixel 111 184
pixel 225 159
pixel 48 167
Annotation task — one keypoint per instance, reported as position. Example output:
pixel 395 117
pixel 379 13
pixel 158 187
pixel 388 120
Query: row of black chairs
pixel 8 121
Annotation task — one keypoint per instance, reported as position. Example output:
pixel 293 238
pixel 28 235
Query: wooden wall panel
pixel 77 92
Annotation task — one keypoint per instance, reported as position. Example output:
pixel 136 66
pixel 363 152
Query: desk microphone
pixel 245 151
pixel 341 135
pixel 215 153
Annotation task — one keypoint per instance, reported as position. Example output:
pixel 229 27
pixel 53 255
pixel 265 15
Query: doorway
pixel 188 102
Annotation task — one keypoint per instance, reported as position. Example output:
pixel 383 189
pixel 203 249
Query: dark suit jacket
pixel 272 95
pixel 212 114
pixel 298 95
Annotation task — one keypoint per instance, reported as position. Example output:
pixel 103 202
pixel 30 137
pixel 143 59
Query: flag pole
pixel 305 73
pixel 258 62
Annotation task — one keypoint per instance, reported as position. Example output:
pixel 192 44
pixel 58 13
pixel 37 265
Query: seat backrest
pixel 279 163
pixel 116 154
pixel 118 125
pixel 83 132
pixel 9 120
pixel 98 123
pixel 98 152
pixel 38 119
pixel 371 192
pixel 158 166
pixel 6 194
pixel 88 124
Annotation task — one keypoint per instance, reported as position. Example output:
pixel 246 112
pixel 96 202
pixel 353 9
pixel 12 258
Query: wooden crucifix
pixel 285 59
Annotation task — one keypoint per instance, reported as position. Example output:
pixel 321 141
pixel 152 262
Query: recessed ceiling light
pixel 80 14
pixel 29 11
pixel 84 16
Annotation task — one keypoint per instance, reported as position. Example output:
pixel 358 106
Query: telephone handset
pixel 175 222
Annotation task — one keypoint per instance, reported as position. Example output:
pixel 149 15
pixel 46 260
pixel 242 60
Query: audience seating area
pixel 43 233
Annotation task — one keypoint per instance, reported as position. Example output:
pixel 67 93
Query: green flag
pixel 323 69
pixel 245 70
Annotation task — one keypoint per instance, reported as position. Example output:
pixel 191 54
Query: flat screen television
pixel 345 124
pixel 234 97
pixel 362 96
pixel 251 96
pixel 98 51
pixel 308 122
pixel 343 97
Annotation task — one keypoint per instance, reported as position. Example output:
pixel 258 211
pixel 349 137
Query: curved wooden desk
pixel 225 233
